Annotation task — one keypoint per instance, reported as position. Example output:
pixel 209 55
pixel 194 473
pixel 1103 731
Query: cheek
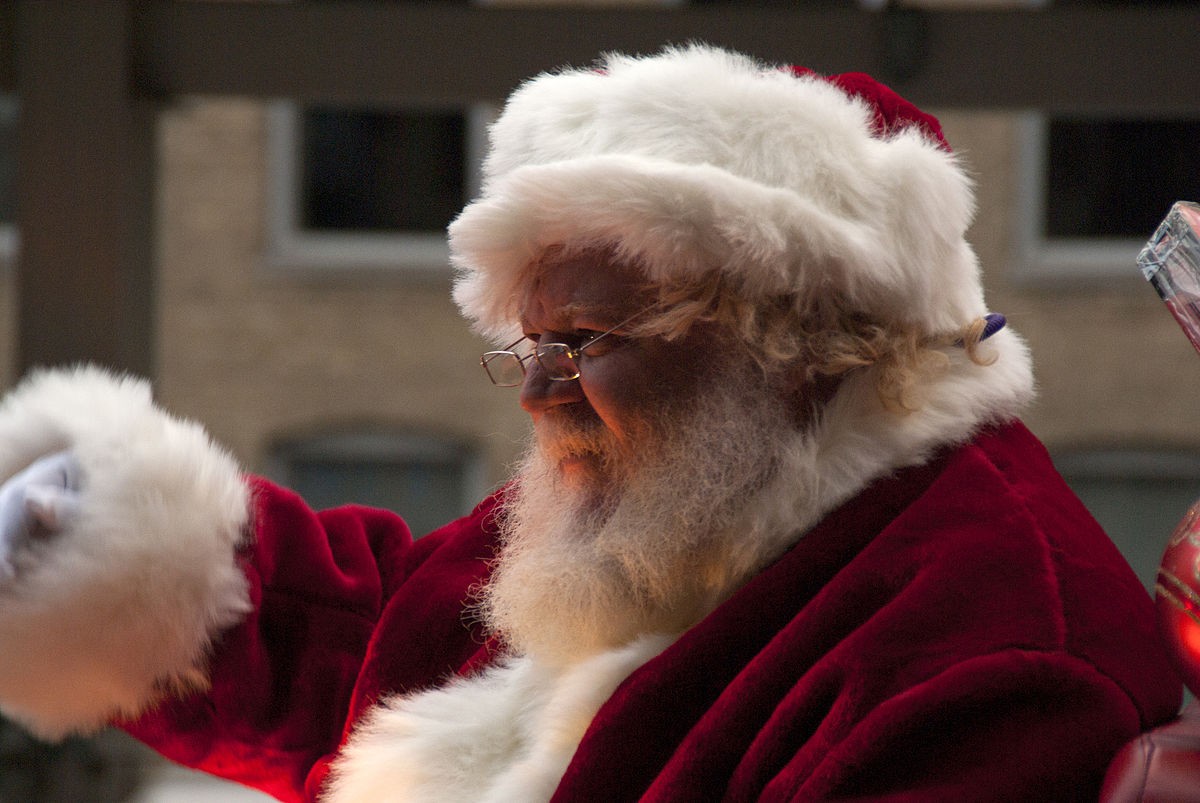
pixel 622 399
pixel 630 391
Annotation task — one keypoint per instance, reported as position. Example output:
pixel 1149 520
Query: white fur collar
pixel 504 735
pixel 509 733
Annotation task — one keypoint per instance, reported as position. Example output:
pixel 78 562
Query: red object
pixel 1164 764
pixel 1178 597
pixel 961 630
pixel 1161 765
pixel 892 111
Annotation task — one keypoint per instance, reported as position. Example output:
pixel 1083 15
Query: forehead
pixel 587 282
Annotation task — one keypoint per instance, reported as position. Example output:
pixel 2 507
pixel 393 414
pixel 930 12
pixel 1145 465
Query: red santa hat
pixel 698 159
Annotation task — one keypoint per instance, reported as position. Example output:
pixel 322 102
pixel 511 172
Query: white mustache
pixel 559 438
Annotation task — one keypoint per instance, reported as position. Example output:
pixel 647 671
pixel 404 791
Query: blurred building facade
pixel 326 352
pixel 334 359
pixel 328 349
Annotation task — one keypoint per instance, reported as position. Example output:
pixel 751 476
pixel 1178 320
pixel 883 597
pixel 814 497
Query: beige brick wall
pixel 257 354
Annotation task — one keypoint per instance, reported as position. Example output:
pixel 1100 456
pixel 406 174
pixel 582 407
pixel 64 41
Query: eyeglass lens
pixel 504 368
pixel 557 362
pixel 507 370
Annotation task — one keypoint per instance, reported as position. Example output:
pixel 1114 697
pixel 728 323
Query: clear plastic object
pixel 1171 262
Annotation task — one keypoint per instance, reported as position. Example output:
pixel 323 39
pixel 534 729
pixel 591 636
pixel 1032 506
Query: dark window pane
pixel 381 171
pixel 1117 178
pixel 427 493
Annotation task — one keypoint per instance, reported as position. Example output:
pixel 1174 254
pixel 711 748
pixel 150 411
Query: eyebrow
pixel 562 316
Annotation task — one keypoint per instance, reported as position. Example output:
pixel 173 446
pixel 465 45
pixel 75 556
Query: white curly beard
pixel 648 543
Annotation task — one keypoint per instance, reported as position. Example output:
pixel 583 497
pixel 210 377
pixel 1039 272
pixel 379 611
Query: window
pixel 1093 190
pixel 1138 497
pixel 428 481
pixel 369 188
pixel 1117 178
pixel 380 171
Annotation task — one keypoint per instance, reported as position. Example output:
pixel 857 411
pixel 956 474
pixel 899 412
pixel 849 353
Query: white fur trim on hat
pixel 119 608
pixel 698 159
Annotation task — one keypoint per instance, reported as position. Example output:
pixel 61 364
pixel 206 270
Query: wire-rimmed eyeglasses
pixel 506 368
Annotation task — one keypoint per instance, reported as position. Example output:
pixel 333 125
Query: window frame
pixel 384 447
pixel 292 249
pixel 1044 258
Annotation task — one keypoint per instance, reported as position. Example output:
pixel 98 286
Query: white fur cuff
pixel 120 607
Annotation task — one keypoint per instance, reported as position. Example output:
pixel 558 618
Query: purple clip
pixel 993 323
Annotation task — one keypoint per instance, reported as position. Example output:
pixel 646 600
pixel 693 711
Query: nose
pixel 539 393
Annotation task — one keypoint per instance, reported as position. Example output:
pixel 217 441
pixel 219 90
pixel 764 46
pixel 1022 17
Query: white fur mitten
pixel 120 526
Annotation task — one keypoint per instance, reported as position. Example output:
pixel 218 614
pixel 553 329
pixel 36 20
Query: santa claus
pixel 779 533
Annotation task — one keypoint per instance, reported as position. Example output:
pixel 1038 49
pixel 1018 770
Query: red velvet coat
pixel 959 631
